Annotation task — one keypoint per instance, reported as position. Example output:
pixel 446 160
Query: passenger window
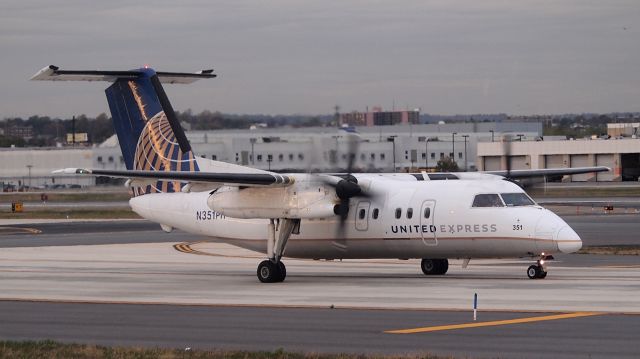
pixel 487 200
pixel 398 213
pixel 362 213
pixel 427 212
pixel 375 213
pixel 409 213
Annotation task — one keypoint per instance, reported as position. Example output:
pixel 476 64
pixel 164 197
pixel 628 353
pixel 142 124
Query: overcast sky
pixel 285 57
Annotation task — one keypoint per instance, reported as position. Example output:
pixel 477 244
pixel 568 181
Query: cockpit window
pixel 517 199
pixel 487 200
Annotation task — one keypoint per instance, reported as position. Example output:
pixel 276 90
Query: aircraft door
pixel 362 215
pixel 427 226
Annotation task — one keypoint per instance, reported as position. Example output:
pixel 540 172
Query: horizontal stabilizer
pixel 53 73
pixel 229 179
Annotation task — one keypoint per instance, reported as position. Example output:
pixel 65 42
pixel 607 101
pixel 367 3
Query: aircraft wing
pixel 546 172
pixel 588 203
pixel 267 179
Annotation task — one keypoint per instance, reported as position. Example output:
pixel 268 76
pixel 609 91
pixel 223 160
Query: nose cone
pixel 568 240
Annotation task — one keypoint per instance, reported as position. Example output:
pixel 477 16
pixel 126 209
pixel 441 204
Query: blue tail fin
pixel 148 130
pixel 149 139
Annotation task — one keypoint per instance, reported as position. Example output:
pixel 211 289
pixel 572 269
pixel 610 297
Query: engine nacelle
pixel 278 202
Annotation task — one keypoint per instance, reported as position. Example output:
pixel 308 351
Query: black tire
pixel 268 272
pixel 533 272
pixel 283 271
pixel 428 266
pixel 431 266
pixel 543 274
pixel 444 266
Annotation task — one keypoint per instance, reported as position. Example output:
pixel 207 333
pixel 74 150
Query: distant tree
pixel 446 164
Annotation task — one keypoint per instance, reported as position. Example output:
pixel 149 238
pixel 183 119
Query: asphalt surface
pixel 320 330
pixel 594 229
pixel 313 329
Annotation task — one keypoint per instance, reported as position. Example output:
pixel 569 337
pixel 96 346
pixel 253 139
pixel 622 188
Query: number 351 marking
pixel 517 227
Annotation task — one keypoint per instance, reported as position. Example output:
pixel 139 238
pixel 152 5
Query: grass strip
pixel 622 250
pixel 76 213
pixel 55 350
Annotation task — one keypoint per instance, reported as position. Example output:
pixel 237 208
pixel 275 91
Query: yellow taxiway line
pixel 493 323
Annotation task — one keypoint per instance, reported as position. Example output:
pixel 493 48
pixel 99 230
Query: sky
pixel 305 57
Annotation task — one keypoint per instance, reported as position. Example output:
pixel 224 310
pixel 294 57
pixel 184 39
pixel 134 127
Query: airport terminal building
pixel 402 147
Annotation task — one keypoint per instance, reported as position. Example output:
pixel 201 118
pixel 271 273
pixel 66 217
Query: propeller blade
pixel 507 143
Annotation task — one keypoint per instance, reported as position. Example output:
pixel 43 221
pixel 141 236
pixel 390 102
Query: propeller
pixel 346 186
pixel 506 148
pixel 531 183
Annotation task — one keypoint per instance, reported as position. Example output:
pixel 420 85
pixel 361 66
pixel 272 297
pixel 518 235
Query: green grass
pixel 622 250
pixel 66 196
pixel 55 350
pixel 585 192
pixel 77 213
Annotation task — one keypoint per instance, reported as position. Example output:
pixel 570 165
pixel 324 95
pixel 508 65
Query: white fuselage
pixel 407 218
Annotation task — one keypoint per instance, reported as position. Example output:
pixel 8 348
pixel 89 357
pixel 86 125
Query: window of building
pixel 99 158
pixel 362 156
pixel 398 213
pixel 441 155
pixel 409 213
pixel 280 157
pixel 291 157
pixel 373 156
pixel 214 157
pixel 259 158
pixel 375 213
pixel 300 156
pixel 424 155
pixel 459 155
pixel 433 155
pixel 487 200
pixel 110 158
pixel 382 156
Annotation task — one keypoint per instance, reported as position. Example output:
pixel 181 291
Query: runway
pixel 122 283
pixel 319 330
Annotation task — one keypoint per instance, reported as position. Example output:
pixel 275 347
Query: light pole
pixel 392 139
pixel 453 146
pixel 253 159
pixel 29 167
pixel 491 135
pixel 465 151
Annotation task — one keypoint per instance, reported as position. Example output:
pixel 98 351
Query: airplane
pixel 429 216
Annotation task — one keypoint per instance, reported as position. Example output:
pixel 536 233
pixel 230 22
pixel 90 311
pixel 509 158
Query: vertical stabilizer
pixel 148 130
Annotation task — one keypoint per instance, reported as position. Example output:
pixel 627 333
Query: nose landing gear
pixel 539 270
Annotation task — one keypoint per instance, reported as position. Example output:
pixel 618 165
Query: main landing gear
pixel 431 266
pixel 273 270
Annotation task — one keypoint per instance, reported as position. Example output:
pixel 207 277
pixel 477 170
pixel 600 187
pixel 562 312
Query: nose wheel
pixel 537 271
